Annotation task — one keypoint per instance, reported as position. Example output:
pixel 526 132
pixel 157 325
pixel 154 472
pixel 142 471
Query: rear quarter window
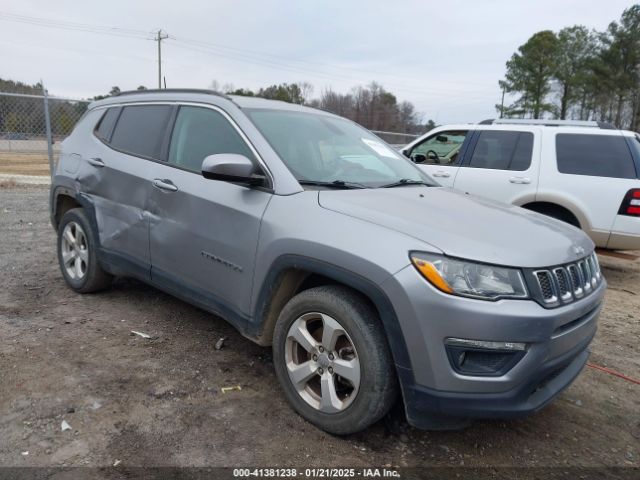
pixel 107 122
pixel 594 155
pixel 141 129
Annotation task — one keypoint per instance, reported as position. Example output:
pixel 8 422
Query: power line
pixel 234 53
pixel 76 26
pixel 237 54
pixel 244 51
pixel 269 59
pixel 317 73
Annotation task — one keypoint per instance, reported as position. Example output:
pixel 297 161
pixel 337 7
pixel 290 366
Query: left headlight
pixel 470 279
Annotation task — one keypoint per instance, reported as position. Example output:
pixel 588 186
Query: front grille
pixel 546 286
pixel 568 283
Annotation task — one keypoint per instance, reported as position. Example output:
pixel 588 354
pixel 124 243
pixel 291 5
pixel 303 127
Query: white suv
pixel 584 173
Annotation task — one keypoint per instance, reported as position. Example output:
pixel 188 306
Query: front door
pixel 439 155
pixel 204 233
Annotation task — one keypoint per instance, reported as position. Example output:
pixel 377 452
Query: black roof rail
pixel 172 90
pixel 488 121
pixel 606 126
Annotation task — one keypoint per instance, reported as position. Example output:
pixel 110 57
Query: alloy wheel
pixel 322 362
pixel 75 251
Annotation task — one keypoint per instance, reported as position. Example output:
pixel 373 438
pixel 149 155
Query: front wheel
pixel 333 361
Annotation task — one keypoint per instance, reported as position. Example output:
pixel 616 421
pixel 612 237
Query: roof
pixel 200 95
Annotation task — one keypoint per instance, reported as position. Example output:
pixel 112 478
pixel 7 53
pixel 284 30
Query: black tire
pixel 94 278
pixel 378 389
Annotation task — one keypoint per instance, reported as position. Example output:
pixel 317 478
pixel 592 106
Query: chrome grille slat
pixel 570 282
pixel 564 284
pixel 594 273
pixel 576 280
pixel 586 276
pixel 547 286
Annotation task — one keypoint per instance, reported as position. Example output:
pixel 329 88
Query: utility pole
pixel 160 36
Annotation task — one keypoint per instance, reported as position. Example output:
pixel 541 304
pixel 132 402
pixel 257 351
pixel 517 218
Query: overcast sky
pixel 445 57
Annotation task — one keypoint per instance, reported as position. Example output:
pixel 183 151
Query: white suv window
pixel 441 149
pixel 594 155
pixel 503 150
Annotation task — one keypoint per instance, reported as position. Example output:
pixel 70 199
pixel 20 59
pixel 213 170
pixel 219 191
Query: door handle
pixel 442 174
pixel 520 180
pixel 96 162
pixel 165 184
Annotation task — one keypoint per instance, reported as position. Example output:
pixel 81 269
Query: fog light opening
pixel 483 358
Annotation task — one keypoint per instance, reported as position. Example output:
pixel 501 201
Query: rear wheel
pixel 77 254
pixel 333 361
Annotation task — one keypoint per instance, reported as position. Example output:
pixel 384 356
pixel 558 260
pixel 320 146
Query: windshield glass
pixel 322 148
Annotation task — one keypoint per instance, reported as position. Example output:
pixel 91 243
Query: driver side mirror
pixel 419 158
pixel 231 167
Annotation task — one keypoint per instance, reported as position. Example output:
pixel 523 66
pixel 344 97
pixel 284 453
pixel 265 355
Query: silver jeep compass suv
pixel 309 234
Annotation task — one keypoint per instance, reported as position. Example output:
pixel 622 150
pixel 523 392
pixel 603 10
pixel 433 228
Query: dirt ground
pixel 158 402
pixel 24 163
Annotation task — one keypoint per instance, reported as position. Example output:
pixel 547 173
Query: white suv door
pixel 502 165
pixel 439 154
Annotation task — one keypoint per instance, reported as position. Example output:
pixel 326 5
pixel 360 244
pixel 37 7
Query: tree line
pixel 371 105
pixel 578 74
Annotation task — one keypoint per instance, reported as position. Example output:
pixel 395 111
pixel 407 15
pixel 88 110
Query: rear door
pixel 204 233
pixel 440 154
pixel 502 165
pixel 114 174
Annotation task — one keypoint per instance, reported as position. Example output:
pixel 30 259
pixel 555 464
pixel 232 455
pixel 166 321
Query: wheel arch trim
pixel 559 201
pixel 263 320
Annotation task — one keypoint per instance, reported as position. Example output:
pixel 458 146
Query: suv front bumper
pixel 557 349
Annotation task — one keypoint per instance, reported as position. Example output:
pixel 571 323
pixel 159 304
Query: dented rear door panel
pixel 118 186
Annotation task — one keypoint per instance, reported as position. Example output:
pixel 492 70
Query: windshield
pixel 324 149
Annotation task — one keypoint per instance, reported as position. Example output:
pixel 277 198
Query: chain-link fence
pixel 31 129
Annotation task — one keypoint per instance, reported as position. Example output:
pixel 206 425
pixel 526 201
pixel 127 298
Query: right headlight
pixel 470 279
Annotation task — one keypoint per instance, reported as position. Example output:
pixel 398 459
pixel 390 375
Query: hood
pixel 464 226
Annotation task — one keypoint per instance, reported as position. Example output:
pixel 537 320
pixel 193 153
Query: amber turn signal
pixel 431 273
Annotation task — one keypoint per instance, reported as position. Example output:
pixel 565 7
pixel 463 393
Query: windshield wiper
pixel 405 181
pixel 333 184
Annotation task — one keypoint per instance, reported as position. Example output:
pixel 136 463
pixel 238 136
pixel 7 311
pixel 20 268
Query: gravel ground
pixel 158 402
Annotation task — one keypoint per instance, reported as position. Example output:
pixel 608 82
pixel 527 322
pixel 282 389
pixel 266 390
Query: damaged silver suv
pixel 309 234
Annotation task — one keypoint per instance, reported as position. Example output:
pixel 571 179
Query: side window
pixel 594 155
pixel 107 122
pixel 140 130
pixel 503 150
pixel 440 149
pixel 200 132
